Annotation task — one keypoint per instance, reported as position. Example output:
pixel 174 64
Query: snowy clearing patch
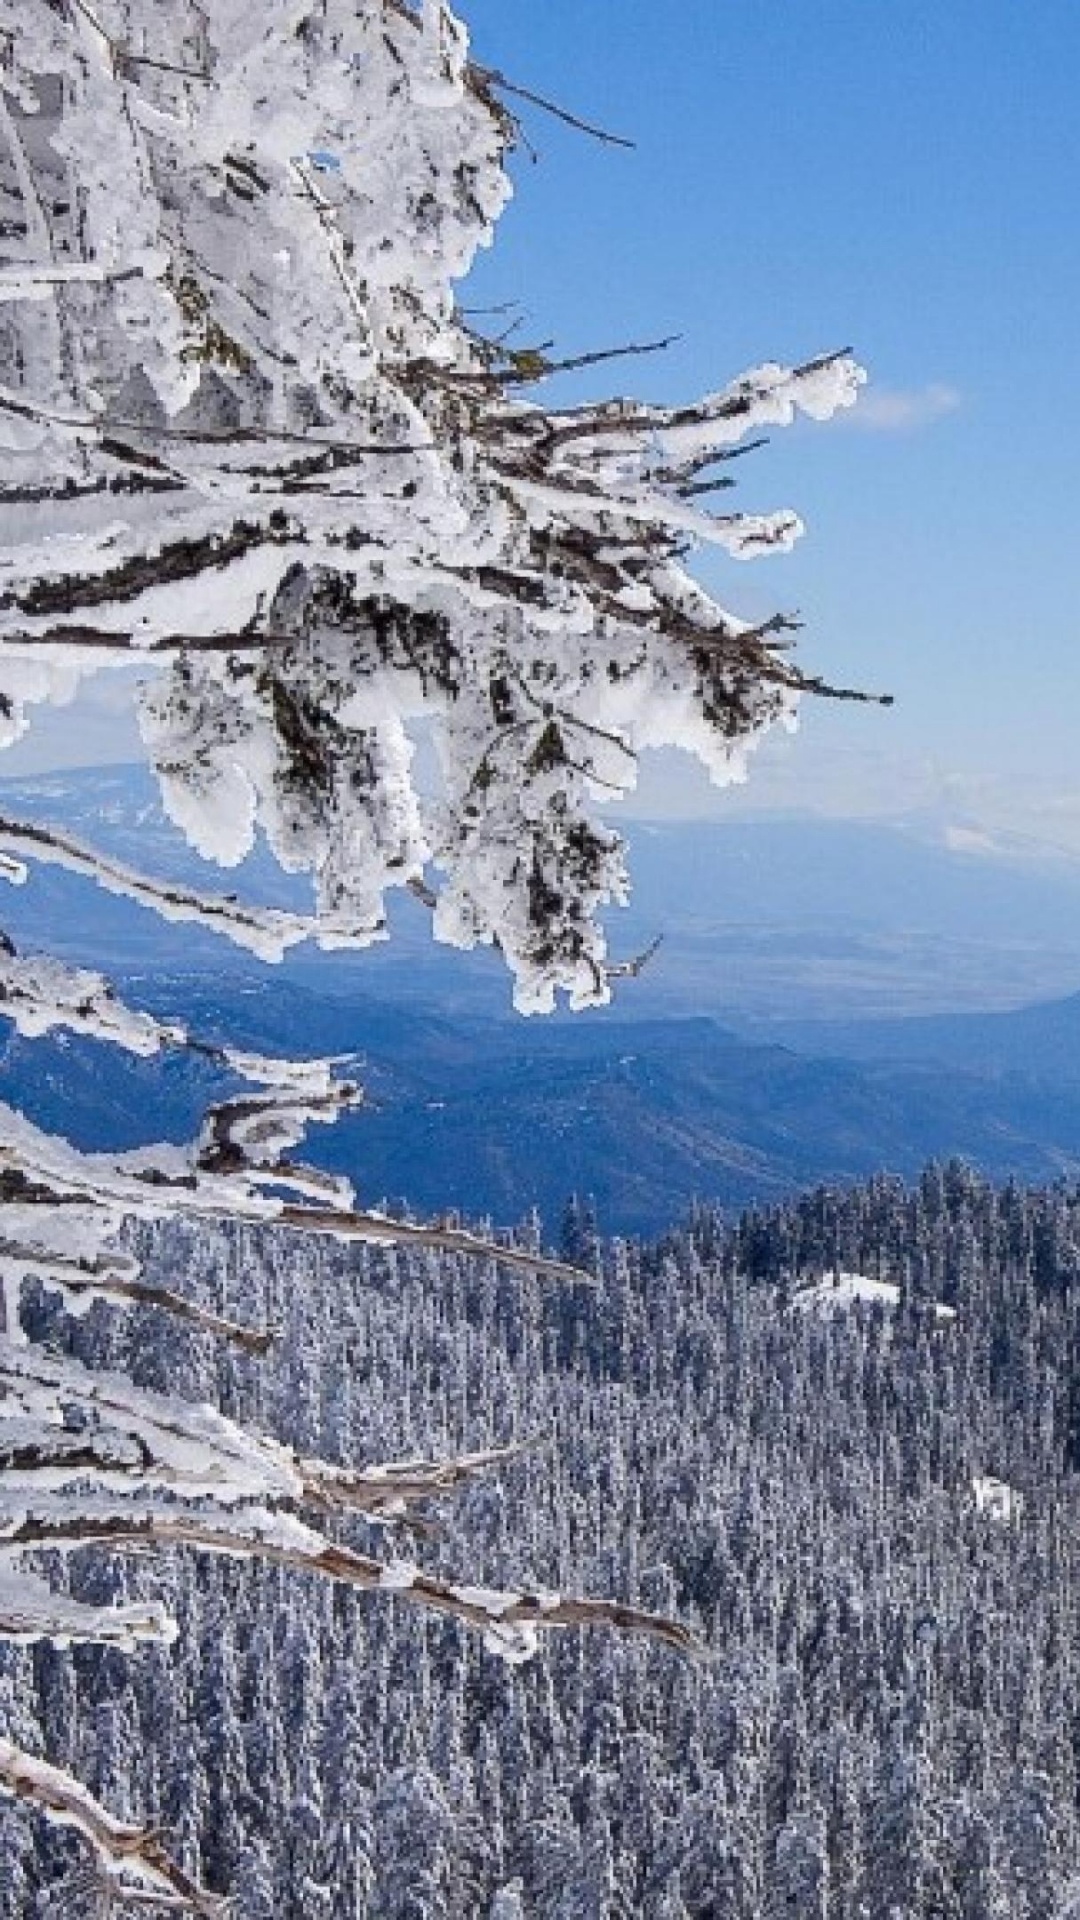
pixel 996 1499
pixel 839 1292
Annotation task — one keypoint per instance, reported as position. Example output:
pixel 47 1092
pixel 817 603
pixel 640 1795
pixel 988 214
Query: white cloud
pixel 883 409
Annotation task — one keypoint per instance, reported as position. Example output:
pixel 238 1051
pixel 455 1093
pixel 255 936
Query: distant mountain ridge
pixel 497 1117
pixel 701 1082
pixel 1042 1039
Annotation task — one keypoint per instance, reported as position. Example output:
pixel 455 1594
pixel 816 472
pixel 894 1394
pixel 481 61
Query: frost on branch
pixel 62 1210
pixel 247 436
pixel 86 1458
pixel 247 430
pixel 163 1471
pixel 133 1859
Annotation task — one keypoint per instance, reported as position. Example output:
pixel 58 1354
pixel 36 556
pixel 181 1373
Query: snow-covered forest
pixel 867 1507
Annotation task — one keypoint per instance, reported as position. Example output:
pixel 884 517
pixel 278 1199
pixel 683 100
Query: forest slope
pixel 888 1722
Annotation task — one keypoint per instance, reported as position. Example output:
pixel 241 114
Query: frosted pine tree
pixel 507 1903
pixel 249 441
pixel 799 1888
pixel 275 457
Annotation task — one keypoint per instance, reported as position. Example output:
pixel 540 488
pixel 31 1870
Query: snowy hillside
pixel 877 1537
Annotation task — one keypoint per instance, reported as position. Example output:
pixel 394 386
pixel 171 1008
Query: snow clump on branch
pixel 249 431
pixel 247 434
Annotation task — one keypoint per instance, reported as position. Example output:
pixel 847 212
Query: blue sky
pixel 900 176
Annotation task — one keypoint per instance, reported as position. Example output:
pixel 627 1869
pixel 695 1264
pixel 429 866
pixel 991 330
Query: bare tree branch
pixel 598 358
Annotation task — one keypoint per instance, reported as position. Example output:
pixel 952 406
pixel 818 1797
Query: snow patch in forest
pixel 996 1499
pixel 839 1292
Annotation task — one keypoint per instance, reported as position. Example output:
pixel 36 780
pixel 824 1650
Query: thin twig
pixel 696 488
pixel 491 77
pixel 578 360
pixel 633 969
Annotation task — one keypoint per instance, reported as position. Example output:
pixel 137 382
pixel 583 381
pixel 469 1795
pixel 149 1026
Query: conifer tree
pixel 249 440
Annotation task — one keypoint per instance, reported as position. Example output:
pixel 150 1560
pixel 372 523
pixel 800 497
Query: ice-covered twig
pixel 62 1192
pixel 490 77
pixel 686 437
pixel 39 994
pixel 266 931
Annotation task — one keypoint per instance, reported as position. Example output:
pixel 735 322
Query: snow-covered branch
pixel 88 1459
pixel 102 1275
pixel 62 1210
pixel 135 1856
pixel 510 1622
pixel 266 932
pixel 247 438
pixel 273 450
